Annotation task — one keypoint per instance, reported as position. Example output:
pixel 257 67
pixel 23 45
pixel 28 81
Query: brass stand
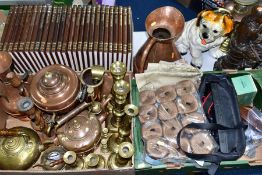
pixel 122 158
pixel 121 89
pixel 72 161
pixel 94 161
pixel 116 139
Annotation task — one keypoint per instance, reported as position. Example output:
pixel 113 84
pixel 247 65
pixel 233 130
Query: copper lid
pixel 55 88
pixel 5 61
pixel 81 133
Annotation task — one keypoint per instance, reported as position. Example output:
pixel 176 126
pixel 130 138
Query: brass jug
pixel 20 148
pixel 164 26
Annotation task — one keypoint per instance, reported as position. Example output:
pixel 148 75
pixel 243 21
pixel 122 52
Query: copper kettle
pixel 164 26
pixel 83 132
pixel 55 89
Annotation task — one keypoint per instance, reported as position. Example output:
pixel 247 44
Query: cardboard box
pixel 9 122
pixel 144 168
pixel 245 88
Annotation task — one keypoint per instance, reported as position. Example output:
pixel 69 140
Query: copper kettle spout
pixel 71 114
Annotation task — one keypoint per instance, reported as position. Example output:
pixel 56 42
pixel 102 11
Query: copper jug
pixel 164 26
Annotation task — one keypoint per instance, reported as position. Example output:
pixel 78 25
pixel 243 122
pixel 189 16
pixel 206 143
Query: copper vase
pixel 164 26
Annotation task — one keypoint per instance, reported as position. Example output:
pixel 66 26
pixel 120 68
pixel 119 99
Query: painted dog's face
pixel 213 25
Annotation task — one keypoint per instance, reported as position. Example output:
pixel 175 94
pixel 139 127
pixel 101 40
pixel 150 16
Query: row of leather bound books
pixel 76 36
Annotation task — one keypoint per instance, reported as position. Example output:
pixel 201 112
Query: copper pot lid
pixel 54 88
pixel 81 133
pixel 5 61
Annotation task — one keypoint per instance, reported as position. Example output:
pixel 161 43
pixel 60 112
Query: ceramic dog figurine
pixel 206 31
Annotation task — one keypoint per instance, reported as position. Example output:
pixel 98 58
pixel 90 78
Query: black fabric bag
pixel 221 108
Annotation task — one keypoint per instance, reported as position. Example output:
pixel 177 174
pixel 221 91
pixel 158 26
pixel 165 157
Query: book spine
pixel 15 29
pixel 115 28
pixel 101 35
pixel 10 28
pixel 111 36
pixel 57 28
pixel 7 26
pixel 46 28
pixel 120 33
pixel 82 29
pixel 77 61
pixel 22 25
pixel 86 37
pixel 40 28
pixel 80 39
pixel 96 34
pixel 129 39
pixel 87 27
pixel 67 29
pixel 62 28
pixel 71 37
pixel 25 29
pixel 31 25
pixel 124 35
pixel 91 36
pixel 31 40
pixel 105 40
pixel 72 28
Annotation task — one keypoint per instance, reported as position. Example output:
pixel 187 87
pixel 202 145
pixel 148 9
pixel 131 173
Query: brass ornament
pixel 73 162
pixel 123 157
pixel 94 161
pixel 20 147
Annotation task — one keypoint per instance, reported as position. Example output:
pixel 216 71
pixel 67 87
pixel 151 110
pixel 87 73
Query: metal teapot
pixel 55 89
pixel 83 132
pixel 20 148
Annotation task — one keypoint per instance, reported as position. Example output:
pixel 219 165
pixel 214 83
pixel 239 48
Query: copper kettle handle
pixel 12 133
pixel 145 54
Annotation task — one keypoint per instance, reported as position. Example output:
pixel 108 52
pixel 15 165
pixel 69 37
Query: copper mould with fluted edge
pixel 55 88
pixel 5 64
pixel 82 133
pixel 164 26
pixel 11 92
pixel 20 147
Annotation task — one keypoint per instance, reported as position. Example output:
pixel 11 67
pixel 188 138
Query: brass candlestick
pixel 104 147
pixel 26 105
pixel 116 139
pixel 121 89
pixel 130 111
pixel 123 157
pixel 118 72
pixel 72 161
pixel 94 161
